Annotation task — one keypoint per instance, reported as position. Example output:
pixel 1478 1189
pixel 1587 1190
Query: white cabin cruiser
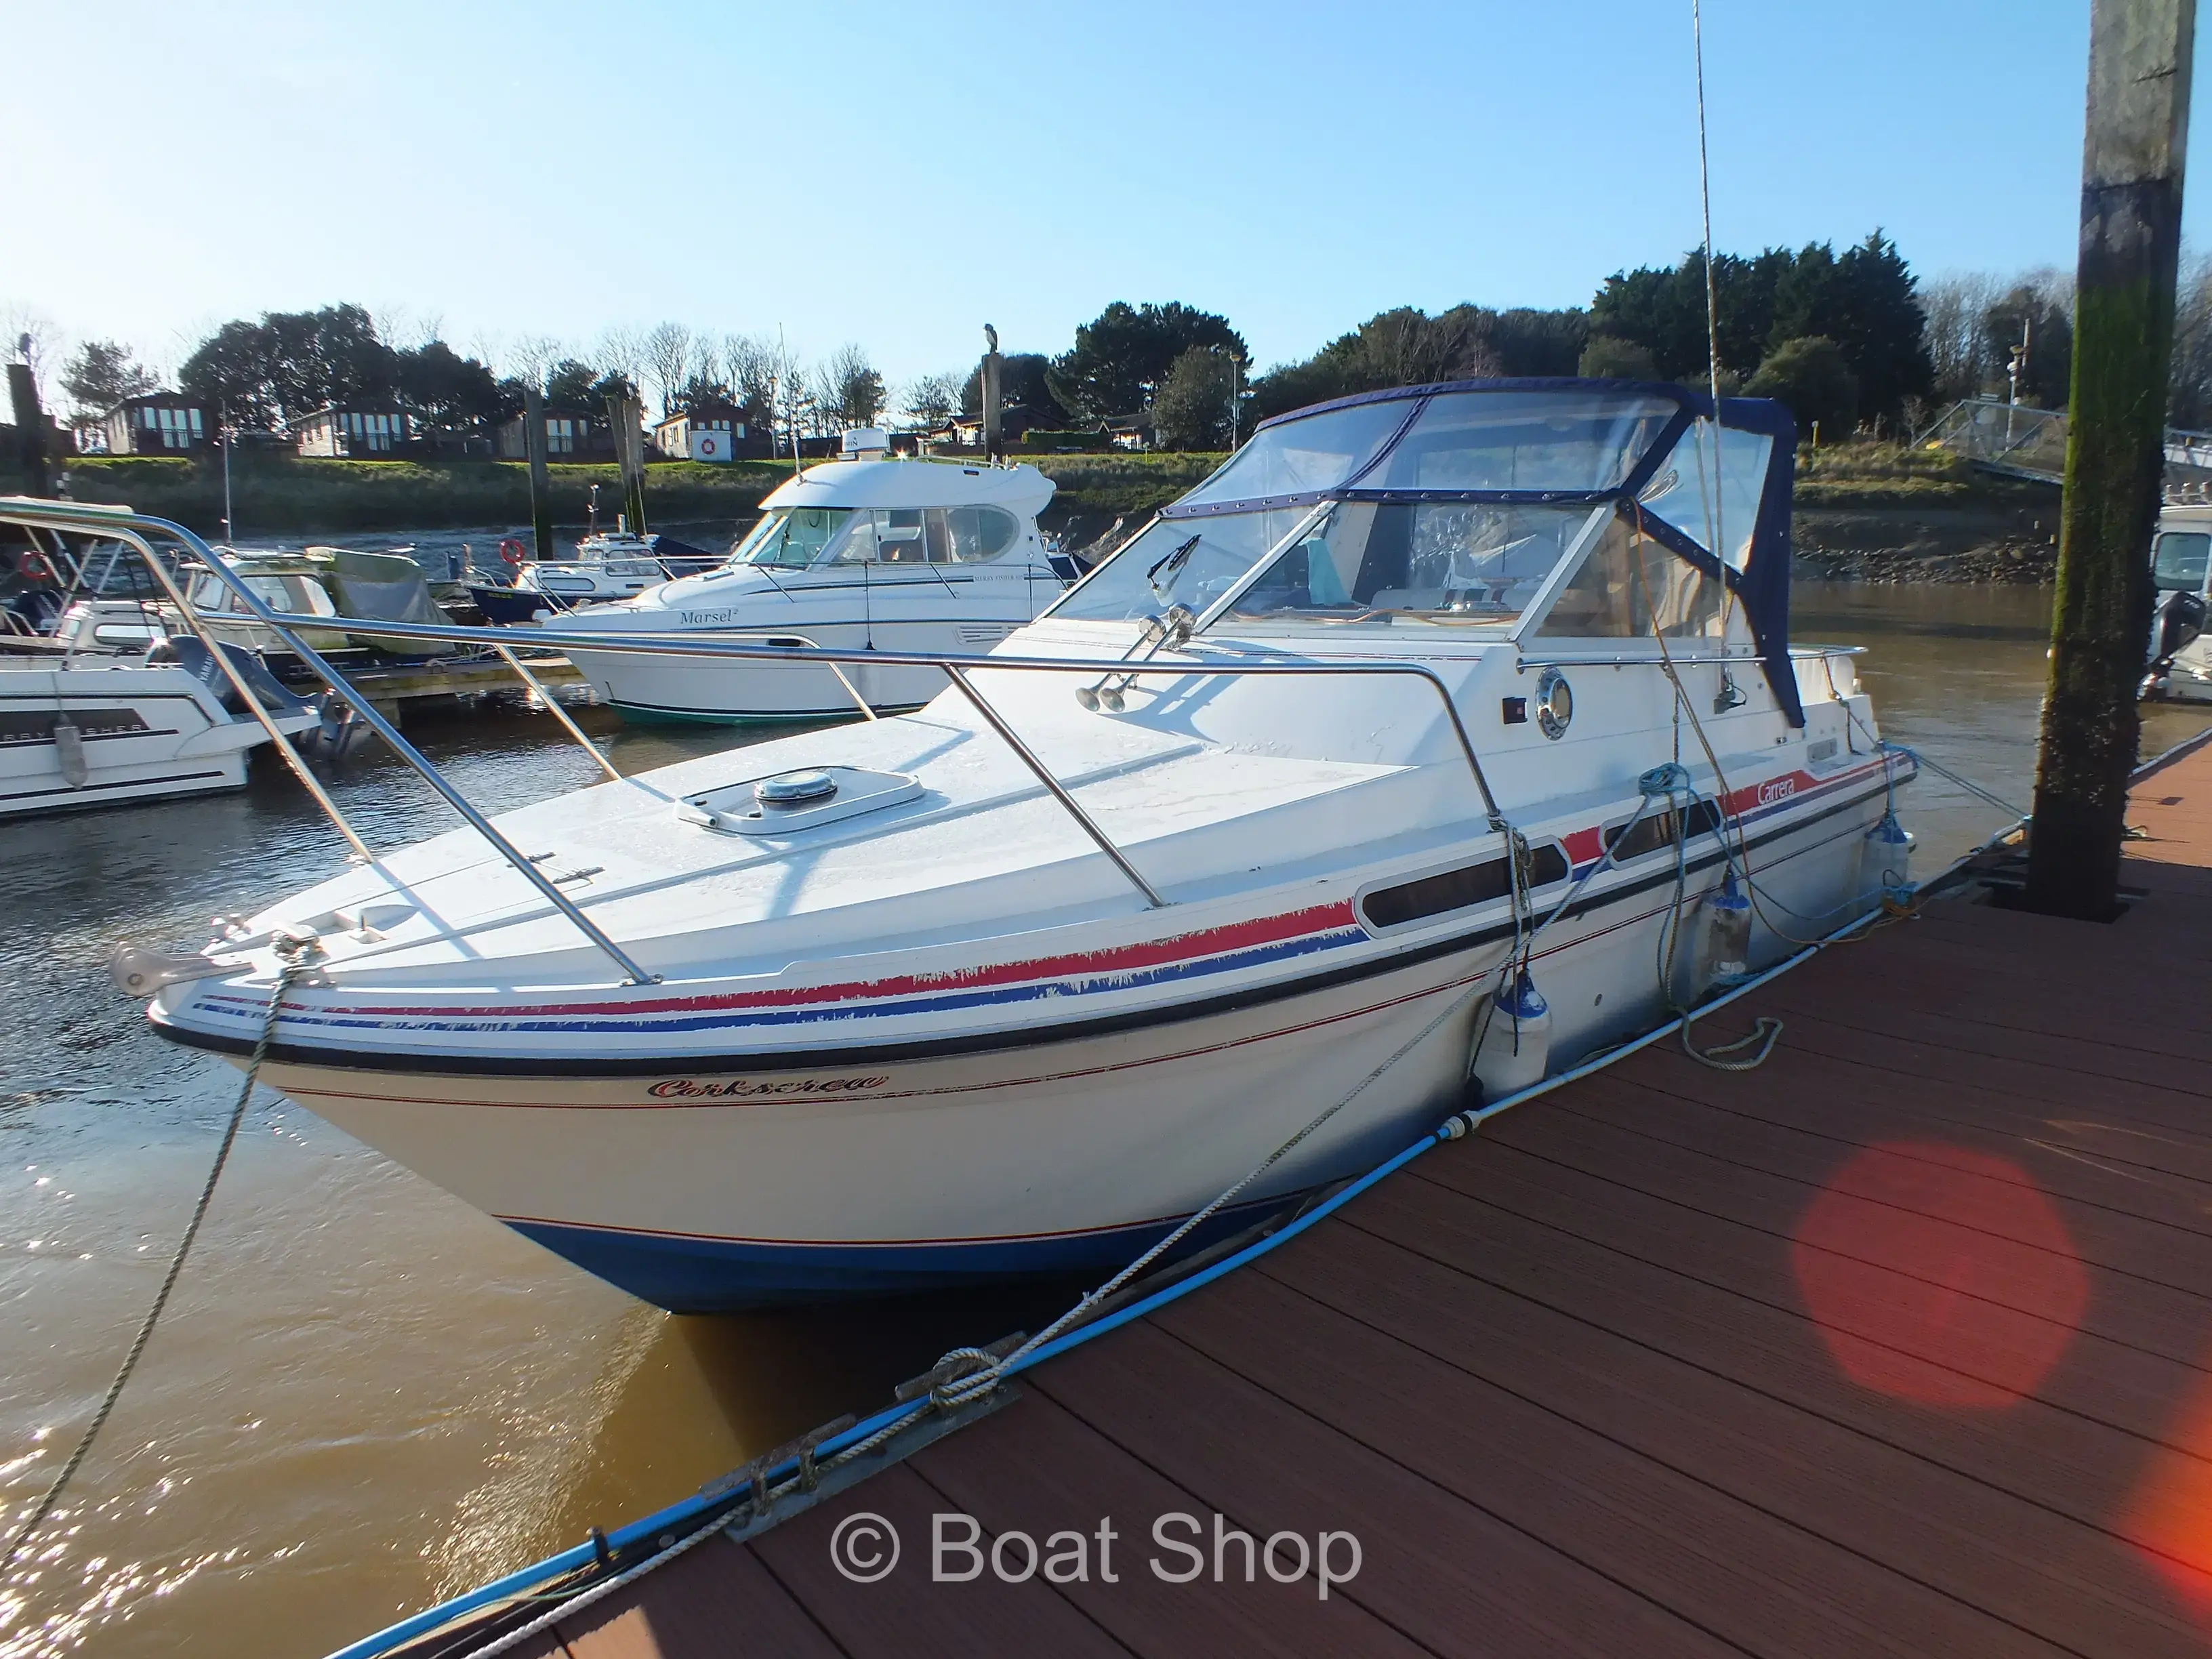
pixel 903 1012
pixel 905 555
pixel 98 728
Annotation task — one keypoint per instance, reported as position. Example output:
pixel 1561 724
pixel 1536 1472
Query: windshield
pixel 1314 453
pixel 792 537
pixel 1377 564
pixel 297 594
pixel 1524 440
pixel 1186 561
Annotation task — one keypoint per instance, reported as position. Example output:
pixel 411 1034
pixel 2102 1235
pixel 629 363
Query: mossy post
pixel 994 445
pixel 541 488
pixel 627 420
pixel 30 425
pixel 2138 124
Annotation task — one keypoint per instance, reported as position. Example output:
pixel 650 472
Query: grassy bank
pixel 1889 513
pixel 1878 512
pixel 280 495
pixel 284 495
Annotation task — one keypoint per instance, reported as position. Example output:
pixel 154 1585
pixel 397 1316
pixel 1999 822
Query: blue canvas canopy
pixel 1714 493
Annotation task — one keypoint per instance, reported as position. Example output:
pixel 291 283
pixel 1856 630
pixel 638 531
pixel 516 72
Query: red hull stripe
pixel 1150 953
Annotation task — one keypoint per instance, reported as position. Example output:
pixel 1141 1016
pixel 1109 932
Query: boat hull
pixel 741 1181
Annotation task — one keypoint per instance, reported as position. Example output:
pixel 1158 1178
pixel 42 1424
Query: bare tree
pixel 529 358
pixel 404 328
pixel 2189 383
pixel 32 336
pixel 620 351
pixel 930 400
pixel 751 364
pixel 667 353
pixel 847 388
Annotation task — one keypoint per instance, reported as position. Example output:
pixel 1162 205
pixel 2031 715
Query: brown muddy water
pixel 366 1396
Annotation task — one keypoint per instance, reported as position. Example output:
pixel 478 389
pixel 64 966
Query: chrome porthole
pixel 1555 703
pixel 794 788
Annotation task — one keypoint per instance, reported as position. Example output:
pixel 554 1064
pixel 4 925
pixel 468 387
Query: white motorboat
pixel 1009 985
pixel 2179 657
pixel 872 555
pixel 611 565
pixel 95 728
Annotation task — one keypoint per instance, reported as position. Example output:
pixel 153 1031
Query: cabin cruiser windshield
pixel 792 538
pixel 1378 563
pixel 1585 512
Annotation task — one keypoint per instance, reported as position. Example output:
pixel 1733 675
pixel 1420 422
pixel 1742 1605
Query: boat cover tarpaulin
pixel 387 587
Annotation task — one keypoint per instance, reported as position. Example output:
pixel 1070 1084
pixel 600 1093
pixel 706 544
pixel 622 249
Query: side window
pixel 972 535
pixel 1623 580
pixel 899 537
pixel 2181 559
pixel 857 544
pixel 1633 839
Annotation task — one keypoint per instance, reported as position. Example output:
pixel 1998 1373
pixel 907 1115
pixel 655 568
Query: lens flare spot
pixel 1939 1275
pixel 2169 1514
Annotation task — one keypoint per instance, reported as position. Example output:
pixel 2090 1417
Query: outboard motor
pixel 2177 622
pixel 187 651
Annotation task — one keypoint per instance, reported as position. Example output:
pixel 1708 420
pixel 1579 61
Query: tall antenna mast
pixel 1705 198
pixel 1729 696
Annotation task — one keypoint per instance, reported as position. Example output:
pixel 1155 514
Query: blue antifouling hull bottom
pixel 691 1275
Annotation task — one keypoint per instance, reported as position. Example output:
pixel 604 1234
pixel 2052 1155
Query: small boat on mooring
pixel 607 565
pixel 95 728
pixel 867 552
pixel 1441 738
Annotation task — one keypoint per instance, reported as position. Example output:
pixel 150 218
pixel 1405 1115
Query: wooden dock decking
pixel 1899 1345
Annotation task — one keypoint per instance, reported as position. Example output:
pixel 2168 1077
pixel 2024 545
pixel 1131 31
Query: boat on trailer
pixel 1429 713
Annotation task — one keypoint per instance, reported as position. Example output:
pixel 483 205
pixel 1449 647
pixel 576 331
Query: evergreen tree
pixel 1191 410
pixel 1121 357
pixel 100 375
pixel 1811 377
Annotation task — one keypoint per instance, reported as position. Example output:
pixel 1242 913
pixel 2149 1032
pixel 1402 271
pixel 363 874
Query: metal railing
pixel 2031 443
pixel 135 529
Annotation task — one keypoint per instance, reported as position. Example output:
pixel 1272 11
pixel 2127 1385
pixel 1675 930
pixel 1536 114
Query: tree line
pixel 1853 340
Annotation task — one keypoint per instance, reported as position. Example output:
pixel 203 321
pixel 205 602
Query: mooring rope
pixel 295 963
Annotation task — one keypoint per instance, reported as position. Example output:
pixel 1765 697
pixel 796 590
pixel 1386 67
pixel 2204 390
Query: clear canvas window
pixel 1316 452
pixel 1627 579
pixel 1523 441
pixel 1698 484
pixel 1377 564
pixel 1187 561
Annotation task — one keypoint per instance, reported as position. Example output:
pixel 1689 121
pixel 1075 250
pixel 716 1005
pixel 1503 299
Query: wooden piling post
pixel 541 489
pixel 2131 167
pixel 992 362
pixel 625 416
pixel 30 427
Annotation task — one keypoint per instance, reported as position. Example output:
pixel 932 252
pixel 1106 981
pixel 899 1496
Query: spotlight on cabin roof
pixel 863 441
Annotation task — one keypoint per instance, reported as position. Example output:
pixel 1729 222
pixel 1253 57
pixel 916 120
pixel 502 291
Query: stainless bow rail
pixel 135 529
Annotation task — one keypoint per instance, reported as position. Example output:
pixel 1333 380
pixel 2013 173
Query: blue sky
pixel 900 175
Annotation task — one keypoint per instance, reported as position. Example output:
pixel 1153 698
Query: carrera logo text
pixel 684 1088
pixel 1777 789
